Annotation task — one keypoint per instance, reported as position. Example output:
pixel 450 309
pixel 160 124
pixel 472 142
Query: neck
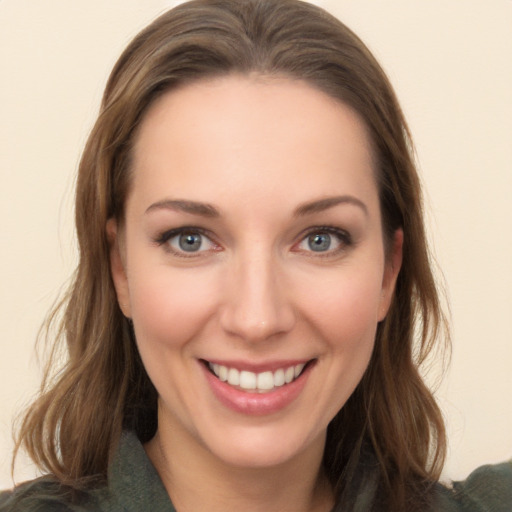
pixel 196 480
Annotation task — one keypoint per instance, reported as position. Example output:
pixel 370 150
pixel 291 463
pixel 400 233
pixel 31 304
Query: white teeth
pixel 264 381
pixel 298 368
pixel 233 377
pixel 222 372
pixel 279 378
pixel 247 380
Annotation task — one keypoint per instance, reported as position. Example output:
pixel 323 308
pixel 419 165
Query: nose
pixel 256 306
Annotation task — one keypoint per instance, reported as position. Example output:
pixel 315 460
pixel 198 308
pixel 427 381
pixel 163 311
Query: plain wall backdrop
pixel 451 65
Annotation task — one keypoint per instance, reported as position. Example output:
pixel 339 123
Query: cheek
pixel 345 308
pixel 343 311
pixel 170 306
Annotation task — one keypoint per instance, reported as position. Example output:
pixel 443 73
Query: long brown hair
pixel 73 427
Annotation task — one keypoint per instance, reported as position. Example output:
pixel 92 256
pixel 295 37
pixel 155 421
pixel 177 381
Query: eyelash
pixel 165 237
pixel 343 237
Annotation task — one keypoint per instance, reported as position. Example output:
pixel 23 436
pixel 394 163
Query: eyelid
pixel 342 235
pixel 164 238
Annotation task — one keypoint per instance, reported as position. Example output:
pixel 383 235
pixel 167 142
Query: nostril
pixel 256 305
pixel 249 327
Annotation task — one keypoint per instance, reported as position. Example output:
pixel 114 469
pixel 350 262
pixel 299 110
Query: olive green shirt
pixel 134 486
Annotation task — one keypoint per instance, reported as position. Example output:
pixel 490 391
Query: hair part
pixel 73 427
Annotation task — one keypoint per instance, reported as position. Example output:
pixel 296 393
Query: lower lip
pixel 257 404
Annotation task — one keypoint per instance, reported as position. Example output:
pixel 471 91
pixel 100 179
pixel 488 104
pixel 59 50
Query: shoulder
pixel 46 494
pixel 487 489
pixel 132 485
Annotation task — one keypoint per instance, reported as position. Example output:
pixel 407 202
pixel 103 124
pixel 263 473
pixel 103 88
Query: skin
pixel 257 150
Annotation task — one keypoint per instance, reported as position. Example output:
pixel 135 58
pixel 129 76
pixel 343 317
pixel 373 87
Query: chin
pixel 261 447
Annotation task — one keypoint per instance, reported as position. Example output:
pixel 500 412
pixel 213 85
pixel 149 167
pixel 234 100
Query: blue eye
pixel 186 241
pixel 319 242
pixel 325 240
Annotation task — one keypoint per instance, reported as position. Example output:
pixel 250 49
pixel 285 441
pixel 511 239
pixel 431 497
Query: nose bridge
pixel 257 307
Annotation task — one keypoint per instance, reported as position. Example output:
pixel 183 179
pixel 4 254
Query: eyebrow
pixel 328 202
pixel 180 205
pixel 207 210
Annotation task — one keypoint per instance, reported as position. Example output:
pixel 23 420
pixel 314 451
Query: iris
pixel 319 242
pixel 190 242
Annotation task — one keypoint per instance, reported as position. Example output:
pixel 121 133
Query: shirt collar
pixel 134 483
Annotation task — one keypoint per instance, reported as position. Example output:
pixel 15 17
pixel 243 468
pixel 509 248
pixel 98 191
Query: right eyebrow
pixel 181 205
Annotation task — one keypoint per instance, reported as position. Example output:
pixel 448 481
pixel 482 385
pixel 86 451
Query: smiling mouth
pixel 262 382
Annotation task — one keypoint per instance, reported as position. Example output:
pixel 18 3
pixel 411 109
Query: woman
pixel 231 345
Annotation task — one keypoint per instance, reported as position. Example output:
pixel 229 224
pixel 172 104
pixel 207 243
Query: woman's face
pixel 252 264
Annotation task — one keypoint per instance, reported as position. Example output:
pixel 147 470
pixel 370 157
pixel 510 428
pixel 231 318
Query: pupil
pixel 190 242
pixel 319 242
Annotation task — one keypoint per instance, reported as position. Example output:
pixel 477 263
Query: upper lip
pixel 258 367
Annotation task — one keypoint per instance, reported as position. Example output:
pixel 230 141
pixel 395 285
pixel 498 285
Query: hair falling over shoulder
pixel 72 428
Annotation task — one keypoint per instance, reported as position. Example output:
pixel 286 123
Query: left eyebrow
pixel 329 202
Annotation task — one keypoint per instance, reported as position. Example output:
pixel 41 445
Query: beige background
pixel 451 64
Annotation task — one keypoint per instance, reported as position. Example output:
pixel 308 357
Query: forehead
pixel 251 135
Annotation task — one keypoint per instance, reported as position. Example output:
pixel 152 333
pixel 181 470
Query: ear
pixel 393 264
pixel 118 266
